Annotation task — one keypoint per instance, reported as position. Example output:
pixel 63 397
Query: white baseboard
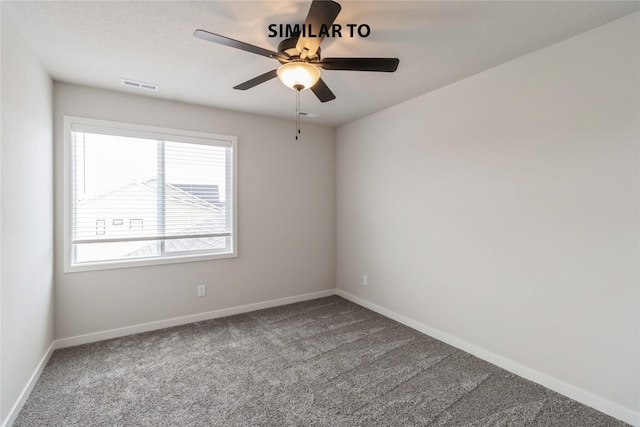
pixel 572 392
pixel 177 321
pixel 15 410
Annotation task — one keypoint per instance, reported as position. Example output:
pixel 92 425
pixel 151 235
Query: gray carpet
pixel 326 362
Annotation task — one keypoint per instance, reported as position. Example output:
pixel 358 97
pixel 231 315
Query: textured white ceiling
pixel 97 43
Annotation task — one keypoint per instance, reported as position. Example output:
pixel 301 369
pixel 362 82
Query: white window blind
pixel 141 193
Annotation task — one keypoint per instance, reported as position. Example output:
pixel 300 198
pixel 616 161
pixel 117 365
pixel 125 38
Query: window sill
pixel 113 265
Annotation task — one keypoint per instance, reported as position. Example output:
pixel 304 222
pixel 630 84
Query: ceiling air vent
pixel 140 85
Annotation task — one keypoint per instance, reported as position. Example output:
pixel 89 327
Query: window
pixel 141 195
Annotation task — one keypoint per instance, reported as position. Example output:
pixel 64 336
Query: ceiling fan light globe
pixel 297 74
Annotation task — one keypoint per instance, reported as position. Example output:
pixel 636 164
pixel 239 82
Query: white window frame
pixel 131 129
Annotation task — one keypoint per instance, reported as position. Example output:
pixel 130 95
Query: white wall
pixel 286 210
pixel 502 212
pixel 26 209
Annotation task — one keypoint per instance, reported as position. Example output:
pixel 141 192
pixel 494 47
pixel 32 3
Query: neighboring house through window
pixel 140 195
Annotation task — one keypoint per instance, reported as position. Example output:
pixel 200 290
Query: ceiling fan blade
pixel 322 91
pixel 216 38
pixel 257 80
pixel 387 65
pixel 321 12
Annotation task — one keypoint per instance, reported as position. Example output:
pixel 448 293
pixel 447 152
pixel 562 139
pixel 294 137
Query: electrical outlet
pixel 365 281
pixel 202 290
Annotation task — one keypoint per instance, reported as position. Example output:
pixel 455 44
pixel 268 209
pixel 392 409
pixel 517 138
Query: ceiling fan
pixel 299 56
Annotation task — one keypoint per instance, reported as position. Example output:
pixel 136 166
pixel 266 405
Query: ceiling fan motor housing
pixel 287 47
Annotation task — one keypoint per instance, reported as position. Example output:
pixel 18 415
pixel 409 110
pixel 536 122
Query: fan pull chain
pixel 297 113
